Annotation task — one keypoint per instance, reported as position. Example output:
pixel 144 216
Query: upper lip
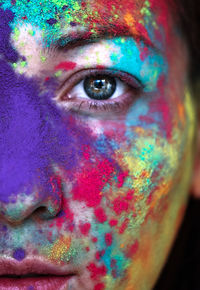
pixel 33 266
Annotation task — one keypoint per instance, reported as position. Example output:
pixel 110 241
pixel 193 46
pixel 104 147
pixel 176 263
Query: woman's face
pixel 96 146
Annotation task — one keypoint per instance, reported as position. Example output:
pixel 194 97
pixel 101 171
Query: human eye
pixel 99 93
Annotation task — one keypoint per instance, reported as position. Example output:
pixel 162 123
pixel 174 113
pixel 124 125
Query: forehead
pixel 57 17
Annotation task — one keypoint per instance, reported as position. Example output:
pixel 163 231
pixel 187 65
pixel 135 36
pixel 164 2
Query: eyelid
pixel 77 77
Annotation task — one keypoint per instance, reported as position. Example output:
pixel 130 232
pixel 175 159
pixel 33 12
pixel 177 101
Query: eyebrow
pixel 80 38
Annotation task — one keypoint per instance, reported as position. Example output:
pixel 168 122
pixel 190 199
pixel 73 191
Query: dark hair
pixel 189 21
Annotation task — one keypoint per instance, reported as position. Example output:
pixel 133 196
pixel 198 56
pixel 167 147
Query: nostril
pixel 44 212
pixel 44 206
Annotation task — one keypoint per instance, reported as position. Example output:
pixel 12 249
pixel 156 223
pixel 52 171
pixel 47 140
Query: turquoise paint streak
pixel 147 71
pixel 110 251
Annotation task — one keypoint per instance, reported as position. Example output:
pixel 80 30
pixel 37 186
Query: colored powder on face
pixel 6 49
pixel 99 286
pixel 66 66
pixel 91 181
pixel 51 21
pixel 60 248
pixel 161 105
pixel 94 239
pixel 84 228
pixel 99 254
pixel 113 222
pixel 108 239
pixel 19 254
pixel 120 205
pixel 147 70
pixel 123 226
pixel 121 177
pixel 133 249
pixel 96 271
pixel 100 214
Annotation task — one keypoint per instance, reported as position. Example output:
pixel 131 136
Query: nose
pixel 38 204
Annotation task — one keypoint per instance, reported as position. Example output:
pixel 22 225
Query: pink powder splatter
pixel 66 65
pixel 133 249
pixel 100 215
pixel 85 228
pixel 123 226
pixel 120 205
pixel 99 254
pixel 108 239
pixel 90 182
pixel 113 222
pixel 94 239
pixel 96 271
pixel 121 178
pixel 99 286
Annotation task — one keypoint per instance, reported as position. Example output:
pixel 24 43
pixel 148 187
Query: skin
pixel 101 189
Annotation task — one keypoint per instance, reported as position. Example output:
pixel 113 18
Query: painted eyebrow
pixel 81 38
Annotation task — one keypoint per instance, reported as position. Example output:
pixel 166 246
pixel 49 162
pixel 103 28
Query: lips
pixel 34 274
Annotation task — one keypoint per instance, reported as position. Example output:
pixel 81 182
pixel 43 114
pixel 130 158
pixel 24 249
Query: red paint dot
pixel 66 65
pixel 113 223
pixel 84 228
pixel 113 263
pixel 100 66
pixel 99 254
pixel 133 249
pixel 94 239
pixel 96 271
pixel 123 226
pixel 108 239
pixel 99 286
pixel 129 195
pixel 121 178
pixel 100 214
pixel 120 205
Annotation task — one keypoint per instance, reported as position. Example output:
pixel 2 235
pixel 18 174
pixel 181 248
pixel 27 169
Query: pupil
pixel 100 87
pixel 99 84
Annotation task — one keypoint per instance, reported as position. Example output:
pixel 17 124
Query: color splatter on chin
pixel 99 195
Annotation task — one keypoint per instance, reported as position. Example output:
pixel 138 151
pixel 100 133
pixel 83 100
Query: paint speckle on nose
pixel 19 254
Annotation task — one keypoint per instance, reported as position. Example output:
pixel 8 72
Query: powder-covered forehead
pixel 54 18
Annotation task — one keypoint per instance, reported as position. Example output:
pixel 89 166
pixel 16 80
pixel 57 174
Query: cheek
pixel 132 164
pixel 123 174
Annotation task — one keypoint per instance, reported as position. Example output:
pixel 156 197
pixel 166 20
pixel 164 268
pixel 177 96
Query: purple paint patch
pixel 3 228
pixel 51 21
pixel 73 23
pixel 19 254
pixel 6 49
pixel 64 7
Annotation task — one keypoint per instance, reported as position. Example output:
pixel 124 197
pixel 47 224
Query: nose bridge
pixel 25 168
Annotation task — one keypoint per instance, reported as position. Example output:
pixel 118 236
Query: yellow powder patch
pixel 60 248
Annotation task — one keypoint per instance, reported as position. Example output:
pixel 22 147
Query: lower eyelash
pixel 105 106
pixel 100 106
